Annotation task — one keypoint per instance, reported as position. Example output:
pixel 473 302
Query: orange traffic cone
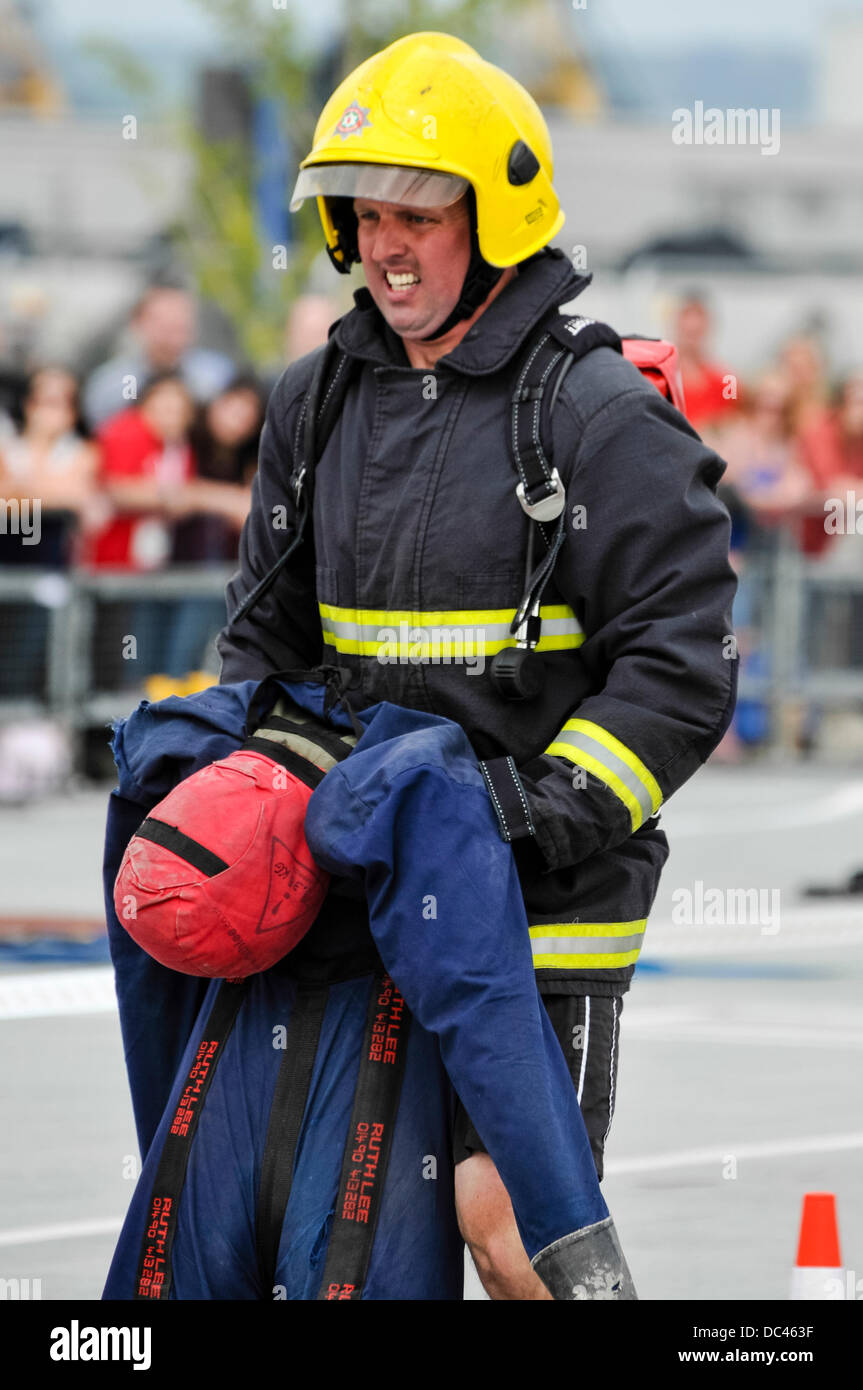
pixel 818 1272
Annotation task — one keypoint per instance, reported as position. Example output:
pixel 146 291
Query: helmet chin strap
pixel 479 281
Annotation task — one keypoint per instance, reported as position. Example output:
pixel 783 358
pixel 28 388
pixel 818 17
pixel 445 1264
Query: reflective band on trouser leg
pixel 586 945
pixel 154 1274
pixel 286 1118
pixel 398 635
pixel 370 1137
pixel 597 751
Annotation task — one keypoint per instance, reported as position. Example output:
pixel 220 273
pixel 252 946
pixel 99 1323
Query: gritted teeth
pixel 397 281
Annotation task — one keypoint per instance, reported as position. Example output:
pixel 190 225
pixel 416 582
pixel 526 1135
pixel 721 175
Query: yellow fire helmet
pixel 420 123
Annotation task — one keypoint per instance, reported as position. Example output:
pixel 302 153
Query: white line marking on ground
pixel 677 1022
pixel 58 993
pixel 770 818
pixel 62 1230
pixel 697 1158
pixel 747 1034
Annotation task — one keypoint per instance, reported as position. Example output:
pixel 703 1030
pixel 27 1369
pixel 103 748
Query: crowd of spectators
pixel 793 444
pixel 147 463
pixel 791 440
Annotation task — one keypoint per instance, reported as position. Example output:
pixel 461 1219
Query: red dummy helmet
pixel 218 880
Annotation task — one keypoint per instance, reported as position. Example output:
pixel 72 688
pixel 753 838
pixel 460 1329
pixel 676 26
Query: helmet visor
pixel 385 183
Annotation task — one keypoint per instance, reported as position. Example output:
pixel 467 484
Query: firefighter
pixel 432 169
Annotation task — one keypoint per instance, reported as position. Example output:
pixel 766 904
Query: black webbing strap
pixel 370 1137
pixel 510 804
pixel 337 744
pixel 154 1274
pixel 286 1117
pixel 169 837
pixel 294 762
pixel 304 746
pixel 560 341
pixel 315 423
pixel 330 401
pixel 534 468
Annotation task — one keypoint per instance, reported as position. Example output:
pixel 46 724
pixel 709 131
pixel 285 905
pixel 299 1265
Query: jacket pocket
pixel 490 588
pixel 326 584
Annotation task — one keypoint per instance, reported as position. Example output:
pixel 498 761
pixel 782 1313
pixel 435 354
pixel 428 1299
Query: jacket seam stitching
pixel 584 424
pixel 424 519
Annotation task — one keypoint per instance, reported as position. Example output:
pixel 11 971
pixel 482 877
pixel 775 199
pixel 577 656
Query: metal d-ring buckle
pixel 547 508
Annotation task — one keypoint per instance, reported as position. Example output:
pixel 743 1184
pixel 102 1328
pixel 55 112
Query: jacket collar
pixel 543 283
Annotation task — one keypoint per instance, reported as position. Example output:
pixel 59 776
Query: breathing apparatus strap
pixel 318 416
pixel 560 341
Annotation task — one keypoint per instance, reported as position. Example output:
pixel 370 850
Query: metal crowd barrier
pixel 79 674
pixel 802 617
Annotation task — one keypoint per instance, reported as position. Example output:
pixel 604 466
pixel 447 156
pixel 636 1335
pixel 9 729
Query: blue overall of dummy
pixel 417 1249
pixel 409 813
pixel 417 1252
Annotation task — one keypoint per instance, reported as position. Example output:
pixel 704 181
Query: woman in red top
pixel 709 389
pixel 150 476
pixel 146 466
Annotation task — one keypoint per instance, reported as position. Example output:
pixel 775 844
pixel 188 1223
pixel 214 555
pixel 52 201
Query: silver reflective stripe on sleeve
pixel 621 770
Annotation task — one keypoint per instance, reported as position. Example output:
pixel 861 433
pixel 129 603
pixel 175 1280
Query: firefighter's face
pixel 415 261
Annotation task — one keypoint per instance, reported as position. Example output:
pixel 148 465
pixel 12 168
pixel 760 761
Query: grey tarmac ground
pixel 741 1049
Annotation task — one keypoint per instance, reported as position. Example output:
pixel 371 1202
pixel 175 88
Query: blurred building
pixel 839 90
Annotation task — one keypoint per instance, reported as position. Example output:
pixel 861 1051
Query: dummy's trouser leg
pixel 366 1149
pixel 410 808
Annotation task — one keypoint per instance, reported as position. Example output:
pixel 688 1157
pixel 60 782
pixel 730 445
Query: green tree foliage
pixel 221 241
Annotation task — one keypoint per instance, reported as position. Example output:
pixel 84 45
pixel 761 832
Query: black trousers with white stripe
pixel 588 1030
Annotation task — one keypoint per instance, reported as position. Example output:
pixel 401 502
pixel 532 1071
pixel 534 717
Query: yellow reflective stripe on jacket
pixel 596 750
pixel 399 634
pixel 586 945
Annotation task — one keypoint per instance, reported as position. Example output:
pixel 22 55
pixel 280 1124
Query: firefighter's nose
pixel 389 243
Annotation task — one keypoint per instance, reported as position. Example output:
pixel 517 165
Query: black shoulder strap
pixel 321 409
pixel 580 335
pixel 560 340
pixel 318 414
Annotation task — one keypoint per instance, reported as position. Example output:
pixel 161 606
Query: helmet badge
pixel 353 120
